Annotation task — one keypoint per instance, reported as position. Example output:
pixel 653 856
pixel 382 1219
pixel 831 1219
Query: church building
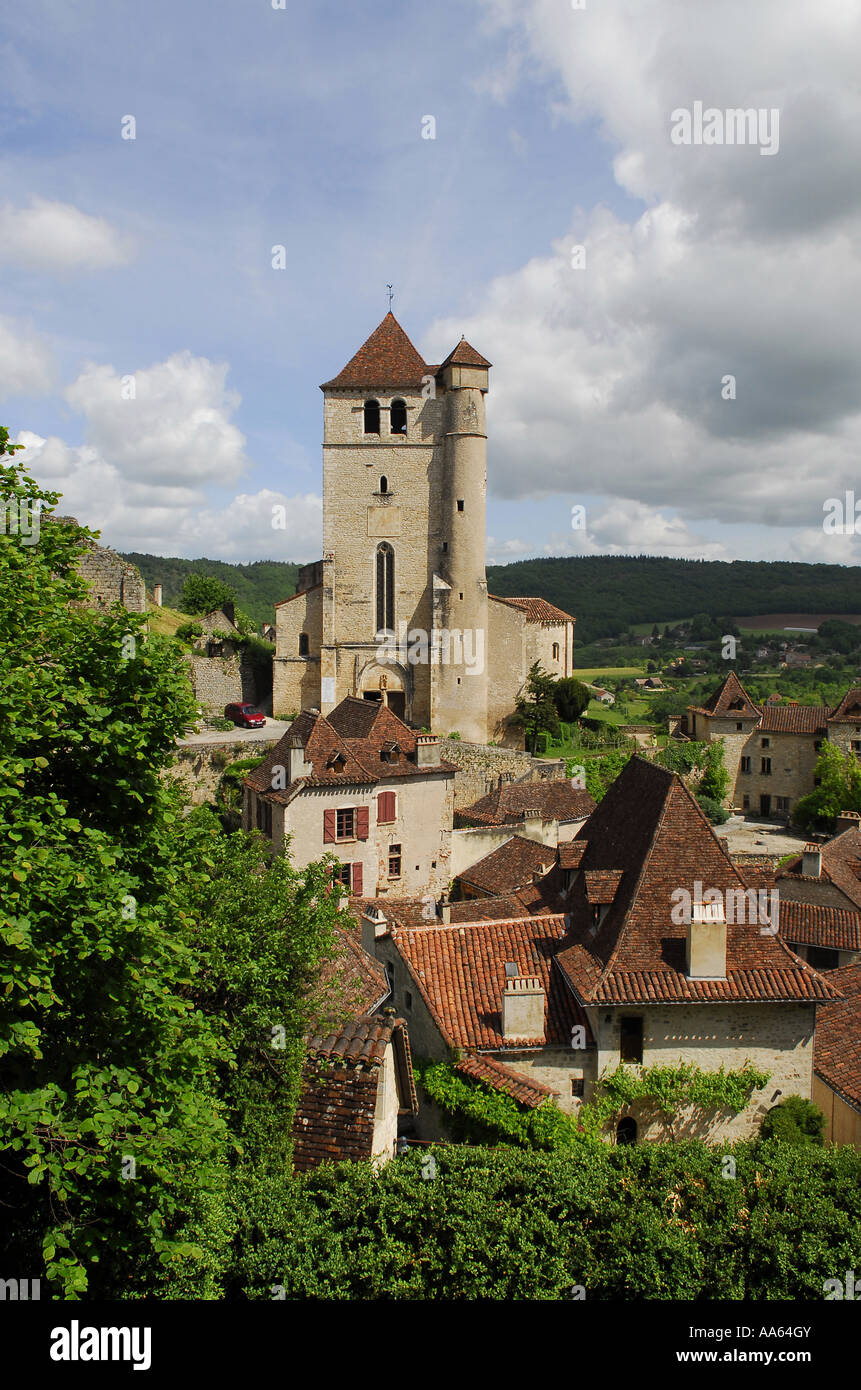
pixel 397 610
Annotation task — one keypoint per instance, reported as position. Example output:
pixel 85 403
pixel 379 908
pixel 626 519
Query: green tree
pixel 571 698
pixel 794 1121
pixel 202 593
pixel 839 789
pixel 714 783
pixel 536 707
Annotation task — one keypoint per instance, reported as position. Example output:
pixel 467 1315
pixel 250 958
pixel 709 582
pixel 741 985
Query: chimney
pixel 297 766
pixel 848 820
pixel 374 925
pixel 157 595
pixel 706 944
pixel 522 1007
pixel 443 909
pixel 811 861
pixel 533 824
pixel 427 750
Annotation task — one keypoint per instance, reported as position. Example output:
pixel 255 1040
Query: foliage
pixel 536 707
pixel 571 698
pixel 670 1090
pixel 641 1222
pixel 839 790
pixel 599 773
pixel 714 783
pixel 203 593
pixel 481 1114
pixel 682 758
pixel 229 791
pixel 187 632
pixel 257 586
pixel 716 813
pixel 794 1121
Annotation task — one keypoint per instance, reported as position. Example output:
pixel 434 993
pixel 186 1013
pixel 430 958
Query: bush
pixel 716 813
pixel 794 1121
pixel 188 631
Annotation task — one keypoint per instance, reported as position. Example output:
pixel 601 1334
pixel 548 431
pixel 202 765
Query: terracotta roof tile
pixel 387 359
pixel 837 1041
pixel 508 867
pixel 553 798
pixel 537 610
pixel 849 709
pixel 464 356
pixel 649 827
pixel 794 719
pixel 841 866
pixel 808 924
pixel 503 1078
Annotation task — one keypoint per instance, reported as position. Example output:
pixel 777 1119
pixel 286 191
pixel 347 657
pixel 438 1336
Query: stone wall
pixel 480 768
pixel 220 680
pixel 111 579
pixel 198 767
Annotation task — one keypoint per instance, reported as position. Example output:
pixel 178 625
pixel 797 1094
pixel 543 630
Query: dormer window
pixel 398 417
pixel 337 762
pixel 372 417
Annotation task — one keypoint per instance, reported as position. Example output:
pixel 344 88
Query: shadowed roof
pixel 836 1054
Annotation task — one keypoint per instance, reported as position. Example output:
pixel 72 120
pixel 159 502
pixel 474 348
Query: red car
pixel 247 716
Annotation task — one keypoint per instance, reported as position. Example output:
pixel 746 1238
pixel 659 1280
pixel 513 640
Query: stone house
pixel 397 609
pixel 820 898
pixel 357 1081
pixel 771 750
pixel 220 673
pixel 361 785
pixel 837 1060
pixel 649 982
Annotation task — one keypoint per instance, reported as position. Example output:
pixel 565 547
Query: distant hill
pixel 258 587
pixel 607 594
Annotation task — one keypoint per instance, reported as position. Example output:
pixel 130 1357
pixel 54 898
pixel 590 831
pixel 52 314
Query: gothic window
pixel 385 588
pixel 398 414
pixel 303 644
pixel 384 484
pixel 372 417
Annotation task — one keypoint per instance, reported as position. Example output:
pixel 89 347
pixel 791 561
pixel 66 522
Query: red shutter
pixel 356 886
pixel 386 807
pixel 362 822
pixel 328 827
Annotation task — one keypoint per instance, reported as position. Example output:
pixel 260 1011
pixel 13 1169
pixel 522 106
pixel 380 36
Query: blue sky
pixel 255 127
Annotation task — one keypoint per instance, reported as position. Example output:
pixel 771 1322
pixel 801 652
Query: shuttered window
pixel 385 807
pixel 328 827
pixel 362 822
pixel 357 886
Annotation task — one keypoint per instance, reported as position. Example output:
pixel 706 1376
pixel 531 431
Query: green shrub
pixel 794 1121
pixel 188 631
pixel 713 809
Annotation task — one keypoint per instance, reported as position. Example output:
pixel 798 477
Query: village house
pixel 837 1060
pixel 771 750
pixel 645 985
pixel 361 785
pixel 820 898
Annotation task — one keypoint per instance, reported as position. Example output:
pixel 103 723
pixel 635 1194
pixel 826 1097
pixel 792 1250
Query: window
pixel 342 874
pixel 372 417
pixel 460 504
pixel 765 768
pixel 384 484
pixel 345 824
pixel 264 816
pixel 738 728
pixel 782 803
pixel 398 417
pixel 394 861
pixel 555 651
pixel 631 1040
pixel 385 588
pixel 626 1131
pixel 386 808
pixel 745 764
pixel 745 803
pixel 577 1086
pixel 856 745
pixel 303 644
pixel 817 745
pixel 408 999
pixel 766 743
pixel 445 547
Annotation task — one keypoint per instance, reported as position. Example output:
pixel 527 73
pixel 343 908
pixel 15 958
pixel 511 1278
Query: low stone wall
pixel 480 768
pixel 198 766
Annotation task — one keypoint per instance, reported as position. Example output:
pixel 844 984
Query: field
pixel 165 621
pixel 592 673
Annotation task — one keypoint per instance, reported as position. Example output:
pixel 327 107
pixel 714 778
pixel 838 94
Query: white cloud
pixel 609 379
pixel 57 236
pixel 26 361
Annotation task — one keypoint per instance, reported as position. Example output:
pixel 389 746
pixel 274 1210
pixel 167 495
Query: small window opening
pixel 303 644
pixel 372 417
pixel 398 417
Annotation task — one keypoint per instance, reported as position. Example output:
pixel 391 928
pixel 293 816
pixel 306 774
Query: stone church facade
pixel 397 610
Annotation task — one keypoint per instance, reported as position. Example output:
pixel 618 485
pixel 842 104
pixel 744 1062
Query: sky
pixel 675 328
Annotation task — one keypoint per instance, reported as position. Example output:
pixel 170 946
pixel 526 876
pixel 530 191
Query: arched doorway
pixel 626 1130
pixel 386 683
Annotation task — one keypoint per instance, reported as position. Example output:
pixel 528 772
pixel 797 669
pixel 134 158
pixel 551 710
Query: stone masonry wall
pixel 220 680
pixel 198 767
pixel 480 768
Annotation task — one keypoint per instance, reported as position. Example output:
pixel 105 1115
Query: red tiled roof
pixel 554 799
pixel 570 852
pixel 509 866
pixel 386 359
pixel 849 709
pixel 537 610
pixel 503 1078
pixel 794 719
pixel 349 979
pixel 649 827
pixel 729 701
pixel 418 912
pixel 837 1040
pixel 464 356
pixel 460 972
pixel 809 924
pixel 841 865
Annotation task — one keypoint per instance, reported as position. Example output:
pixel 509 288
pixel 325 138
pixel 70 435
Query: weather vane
pixel 391 293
